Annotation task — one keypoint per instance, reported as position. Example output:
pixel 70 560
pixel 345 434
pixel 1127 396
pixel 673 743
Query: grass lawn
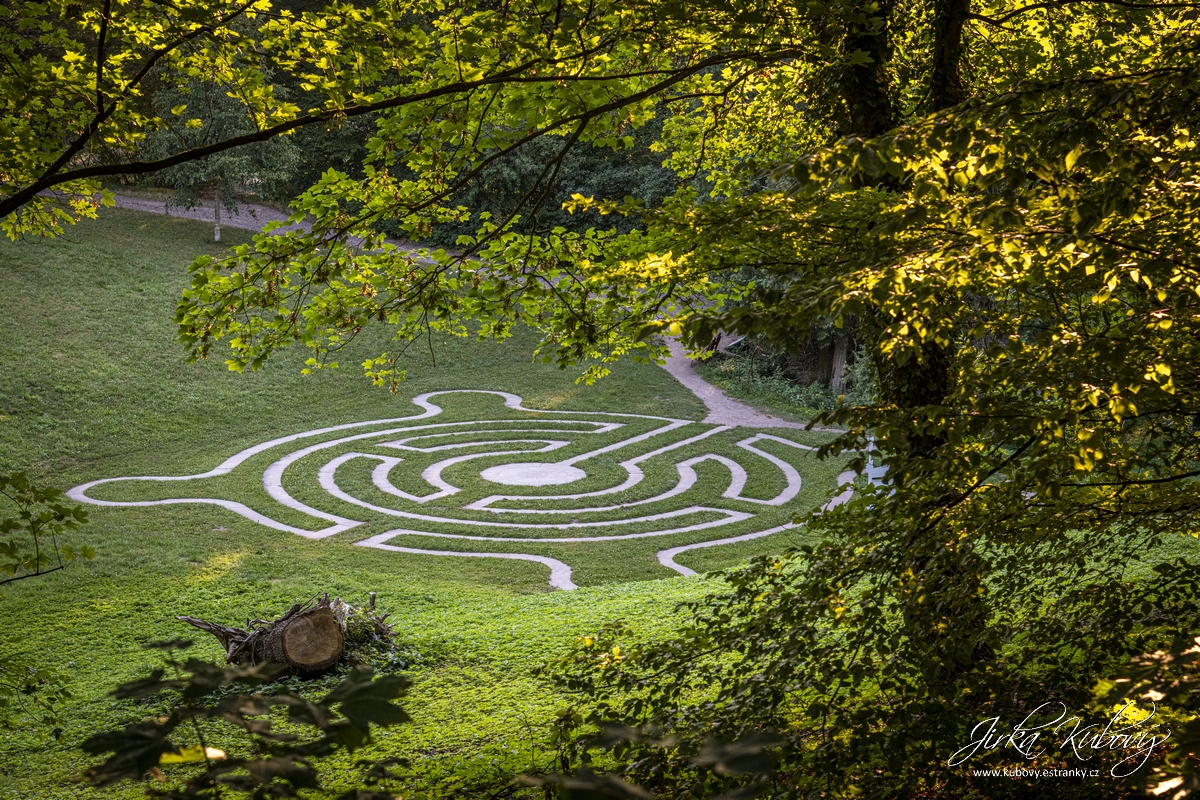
pixel 93 385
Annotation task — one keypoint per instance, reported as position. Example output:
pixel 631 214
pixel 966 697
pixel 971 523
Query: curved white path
pixel 524 446
pixel 560 573
pixel 667 557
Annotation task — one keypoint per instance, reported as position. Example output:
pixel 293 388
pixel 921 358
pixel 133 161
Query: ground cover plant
pixel 754 382
pixel 94 387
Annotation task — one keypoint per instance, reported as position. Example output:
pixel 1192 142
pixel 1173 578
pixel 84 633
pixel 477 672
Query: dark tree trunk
pixel 217 197
pixel 837 377
pixel 958 581
pixel 945 78
pixel 951 579
pixel 825 364
pixel 928 379
pixel 865 86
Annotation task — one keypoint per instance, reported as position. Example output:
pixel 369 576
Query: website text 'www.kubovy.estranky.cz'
pixel 1027 772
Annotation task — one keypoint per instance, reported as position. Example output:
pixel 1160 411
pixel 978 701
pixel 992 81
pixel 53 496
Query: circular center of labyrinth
pixel 532 473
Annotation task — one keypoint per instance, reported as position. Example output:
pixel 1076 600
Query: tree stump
pixel 306 639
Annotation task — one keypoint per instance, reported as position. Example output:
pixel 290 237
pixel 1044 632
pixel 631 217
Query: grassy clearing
pixel 93 385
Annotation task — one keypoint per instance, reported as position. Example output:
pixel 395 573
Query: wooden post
pixel 217 214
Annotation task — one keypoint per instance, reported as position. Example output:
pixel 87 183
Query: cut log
pixel 310 641
pixel 306 639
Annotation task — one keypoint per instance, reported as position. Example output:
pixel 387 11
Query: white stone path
pixel 247 216
pixel 563 426
pixel 723 409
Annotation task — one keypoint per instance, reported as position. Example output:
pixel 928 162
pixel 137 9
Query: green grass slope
pixel 93 385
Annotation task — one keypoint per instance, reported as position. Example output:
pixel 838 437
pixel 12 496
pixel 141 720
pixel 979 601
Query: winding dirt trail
pixel 722 409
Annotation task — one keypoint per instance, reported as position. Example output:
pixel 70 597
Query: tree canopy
pixel 262 166
pixel 1000 196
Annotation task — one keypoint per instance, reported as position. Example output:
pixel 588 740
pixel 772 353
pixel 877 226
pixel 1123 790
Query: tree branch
pixel 512 75
pixel 101 41
pixel 102 114
pixel 31 574
pixel 1064 3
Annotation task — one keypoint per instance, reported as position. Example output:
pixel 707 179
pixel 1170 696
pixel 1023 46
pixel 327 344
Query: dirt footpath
pixel 248 216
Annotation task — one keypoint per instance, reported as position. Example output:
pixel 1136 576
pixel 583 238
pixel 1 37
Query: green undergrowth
pixel 93 385
pixel 747 379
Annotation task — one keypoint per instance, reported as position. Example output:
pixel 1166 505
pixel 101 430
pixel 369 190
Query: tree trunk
pixel 837 378
pixel 825 364
pixel 305 639
pixel 865 86
pixel 945 80
pixel 217 214
pixel 954 576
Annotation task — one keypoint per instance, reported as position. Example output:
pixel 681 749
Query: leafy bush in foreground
pixel 228 735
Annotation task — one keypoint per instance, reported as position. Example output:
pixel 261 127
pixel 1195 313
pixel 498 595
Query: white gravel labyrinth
pixel 514 453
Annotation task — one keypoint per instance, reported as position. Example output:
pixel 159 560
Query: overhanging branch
pixel 512 75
